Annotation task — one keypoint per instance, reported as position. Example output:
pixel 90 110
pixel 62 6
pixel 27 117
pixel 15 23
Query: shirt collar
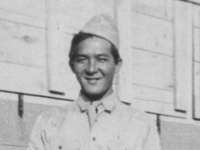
pixel 83 102
pixel 108 103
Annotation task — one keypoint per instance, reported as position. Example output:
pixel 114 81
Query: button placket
pixel 93 137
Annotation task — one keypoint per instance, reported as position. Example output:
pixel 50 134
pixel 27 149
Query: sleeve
pixel 152 140
pixel 37 140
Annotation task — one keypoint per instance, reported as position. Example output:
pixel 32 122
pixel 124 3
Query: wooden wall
pixel 23 46
pixel 159 45
pixel 151 57
pixel 163 54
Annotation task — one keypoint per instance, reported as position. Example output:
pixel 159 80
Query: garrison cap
pixel 103 26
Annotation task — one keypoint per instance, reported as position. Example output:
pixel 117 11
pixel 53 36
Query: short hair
pixel 78 38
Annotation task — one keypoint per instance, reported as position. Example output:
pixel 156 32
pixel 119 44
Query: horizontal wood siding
pixel 31 8
pixel 152 70
pixel 77 12
pixel 152 57
pixel 22 44
pixel 165 109
pixel 29 12
pixel 157 8
pixel 152 34
pixel 21 78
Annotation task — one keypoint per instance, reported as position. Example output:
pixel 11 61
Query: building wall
pixel 159 44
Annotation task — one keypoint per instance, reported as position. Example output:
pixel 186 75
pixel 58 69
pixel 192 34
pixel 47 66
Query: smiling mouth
pixel 92 80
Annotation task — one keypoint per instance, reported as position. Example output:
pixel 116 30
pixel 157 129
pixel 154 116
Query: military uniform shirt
pixel 117 127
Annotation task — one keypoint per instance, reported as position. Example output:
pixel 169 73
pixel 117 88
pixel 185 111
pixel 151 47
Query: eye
pixel 102 59
pixel 81 59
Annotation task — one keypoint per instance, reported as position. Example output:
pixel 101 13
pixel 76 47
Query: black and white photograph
pixel 99 74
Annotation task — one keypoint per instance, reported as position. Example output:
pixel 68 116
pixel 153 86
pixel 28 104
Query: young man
pixel 97 120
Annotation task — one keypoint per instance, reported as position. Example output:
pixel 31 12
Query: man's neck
pixel 97 97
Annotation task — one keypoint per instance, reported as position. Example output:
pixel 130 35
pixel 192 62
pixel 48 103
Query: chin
pixel 94 94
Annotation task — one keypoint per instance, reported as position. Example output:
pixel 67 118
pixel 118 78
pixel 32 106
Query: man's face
pixel 95 67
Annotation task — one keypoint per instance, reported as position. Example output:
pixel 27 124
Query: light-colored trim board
pixel 183 55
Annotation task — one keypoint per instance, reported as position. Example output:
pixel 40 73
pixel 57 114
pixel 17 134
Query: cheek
pixel 110 71
pixel 78 69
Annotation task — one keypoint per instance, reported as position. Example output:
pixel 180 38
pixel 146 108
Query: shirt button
pixel 60 147
pixel 94 138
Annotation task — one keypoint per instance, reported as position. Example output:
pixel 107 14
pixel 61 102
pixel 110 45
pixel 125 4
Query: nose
pixel 92 67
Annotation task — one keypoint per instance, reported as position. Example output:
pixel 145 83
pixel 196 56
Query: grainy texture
pixel 159 43
pixel 156 8
pixel 152 34
pixel 183 54
pixel 177 136
pixel 22 44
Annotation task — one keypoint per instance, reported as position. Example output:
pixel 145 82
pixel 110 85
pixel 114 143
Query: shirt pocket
pixel 63 143
pixel 116 144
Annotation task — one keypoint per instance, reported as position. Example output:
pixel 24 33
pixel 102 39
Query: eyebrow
pixel 98 55
pixel 104 55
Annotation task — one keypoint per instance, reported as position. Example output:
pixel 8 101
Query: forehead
pixel 94 45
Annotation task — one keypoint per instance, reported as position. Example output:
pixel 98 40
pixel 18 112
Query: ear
pixel 118 66
pixel 71 66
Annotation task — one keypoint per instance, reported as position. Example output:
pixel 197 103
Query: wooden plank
pixel 79 12
pixel 31 8
pixel 154 101
pixel 19 78
pixel 45 101
pixel 152 70
pixel 56 50
pixel 91 7
pixel 196 107
pixel 30 80
pixel 157 8
pixel 196 16
pixel 60 79
pixel 196 79
pixel 152 94
pixel 105 6
pixel 12 147
pixel 179 120
pixel 22 19
pixel 196 43
pixel 22 44
pixel 124 18
pixel 75 23
pixel 8 96
pixel 196 90
pixel 183 55
pixel 157 107
pixel 86 6
pixel 152 34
